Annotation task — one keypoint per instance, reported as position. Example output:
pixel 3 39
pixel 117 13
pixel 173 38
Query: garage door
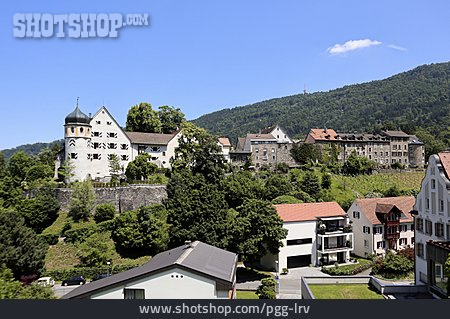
pixel 298 261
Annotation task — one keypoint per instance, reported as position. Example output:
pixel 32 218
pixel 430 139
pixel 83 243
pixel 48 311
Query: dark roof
pixel 268 130
pixel 199 257
pixel 77 117
pixel 395 134
pixel 261 137
pixel 240 144
pixel 150 138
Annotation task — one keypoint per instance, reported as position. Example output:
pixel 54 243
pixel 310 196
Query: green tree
pixel 276 185
pixel 171 118
pixel 197 210
pixel 18 166
pixel 447 273
pixel 286 199
pixel 144 231
pixel 256 230
pixel 82 201
pixel 2 165
pixel 95 251
pixel 241 185
pixel 306 153
pixel 21 250
pixel 141 168
pixel 104 212
pixel 311 185
pixel 326 181
pixel 39 171
pixel 115 169
pixel 67 170
pixel 267 289
pixel 356 165
pixel 142 118
pixel 40 211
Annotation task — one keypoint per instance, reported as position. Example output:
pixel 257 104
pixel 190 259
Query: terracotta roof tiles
pixel 308 211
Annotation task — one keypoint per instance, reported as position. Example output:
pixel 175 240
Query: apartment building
pixel 385 149
pixel 318 234
pixel 381 224
pixel 432 220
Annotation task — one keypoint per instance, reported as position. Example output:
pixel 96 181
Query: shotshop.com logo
pixel 74 25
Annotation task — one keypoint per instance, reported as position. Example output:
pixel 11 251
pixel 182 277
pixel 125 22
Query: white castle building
pixel 90 142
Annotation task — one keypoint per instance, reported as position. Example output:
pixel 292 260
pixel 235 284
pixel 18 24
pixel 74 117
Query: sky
pixel 203 56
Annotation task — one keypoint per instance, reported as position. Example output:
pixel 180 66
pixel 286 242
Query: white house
pixel 192 271
pixel 380 224
pixel 225 146
pixel 318 234
pixel 432 221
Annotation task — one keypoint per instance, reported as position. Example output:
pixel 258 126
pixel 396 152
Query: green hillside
pixel 30 149
pixel 416 101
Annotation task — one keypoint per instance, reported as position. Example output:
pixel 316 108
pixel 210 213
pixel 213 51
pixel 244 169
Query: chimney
pixel 187 244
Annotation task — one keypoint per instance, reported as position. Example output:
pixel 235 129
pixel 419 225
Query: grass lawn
pixel 344 291
pixel 243 294
pixel 406 277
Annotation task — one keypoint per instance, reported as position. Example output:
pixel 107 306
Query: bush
pixel 104 212
pixel 94 251
pixel 87 272
pixel 286 199
pixel 267 289
pixel 348 270
pixel 80 234
pixel 393 265
pixel 51 239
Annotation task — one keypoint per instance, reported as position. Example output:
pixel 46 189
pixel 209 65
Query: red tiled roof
pixel 445 161
pixel 260 136
pixel 224 141
pixel 308 211
pixel 150 138
pixel 320 134
pixel 369 206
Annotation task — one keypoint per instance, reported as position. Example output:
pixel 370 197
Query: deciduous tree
pixel 142 118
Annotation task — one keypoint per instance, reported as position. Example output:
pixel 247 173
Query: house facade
pixel 192 271
pixel 382 224
pixel 385 149
pixel 432 219
pixel 267 148
pixel 318 234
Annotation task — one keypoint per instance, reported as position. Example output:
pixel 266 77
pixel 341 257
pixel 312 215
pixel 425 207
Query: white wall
pixel 280 135
pixel 433 213
pixel 359 248
pixel 165 285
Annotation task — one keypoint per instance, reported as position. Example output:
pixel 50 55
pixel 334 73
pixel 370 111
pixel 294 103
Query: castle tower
pixel 77 138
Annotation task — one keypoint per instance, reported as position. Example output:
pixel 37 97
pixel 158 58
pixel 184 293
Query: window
pixel 273 150
pixel 366 243
pixel 420 252
pixel 95 145
pixel 403 228
pixel 412 240
pixel 439 229
pixel 441 205
pixel 141 149
pixel 133 293
pixel 155 149
pixel 428 227
pixel 419 224
pixel 73 155
pixel 366 230
pixel 403 241
pixel 124 157
pixel 380 244
pixel 377 230
pixel 412 227
pixel 273 157
pixel 163 153
pixel 112 146
pixel 110 156
pixel 123 146
pixel 72 129
pixel 81 130
pixel 96 156
pixel 111 135
pixel 108 123
pixel 97 134
pixel 355 214
pixel 427 203
pixel 302 241
pixel 98 122
pixel 433 184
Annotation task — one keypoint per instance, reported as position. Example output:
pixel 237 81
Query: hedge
pixel 80 234
pixel 86 272
pixel 346 271
pixel 51 239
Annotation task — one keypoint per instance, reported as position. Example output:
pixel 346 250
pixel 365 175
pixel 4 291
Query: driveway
pixel 60 291
pixel 290 283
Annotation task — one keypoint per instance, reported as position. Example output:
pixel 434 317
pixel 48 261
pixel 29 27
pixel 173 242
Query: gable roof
pixel 104 108
pixel 260 137
pixel 308 211
pixel 198 257
pixel 150 138
pixel 269 129
pixel 444 157
pixel 320 134
pixel 395 133
pixel 224 141
pixel 369 207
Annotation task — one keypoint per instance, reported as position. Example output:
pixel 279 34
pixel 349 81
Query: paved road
pixel 60 291
pixel 290 283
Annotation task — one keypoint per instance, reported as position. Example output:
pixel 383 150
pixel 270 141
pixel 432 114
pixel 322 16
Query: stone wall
pixel 124 198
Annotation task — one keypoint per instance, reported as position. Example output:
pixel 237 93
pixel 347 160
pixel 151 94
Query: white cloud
pixel 397 47
pixel 351 45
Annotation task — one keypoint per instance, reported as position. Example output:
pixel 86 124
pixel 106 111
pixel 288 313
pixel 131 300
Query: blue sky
pixel 202 56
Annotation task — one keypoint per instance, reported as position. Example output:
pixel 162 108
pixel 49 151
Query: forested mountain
pixel 416 101
pixel 31 149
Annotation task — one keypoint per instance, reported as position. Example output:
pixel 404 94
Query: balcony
pixel 335 247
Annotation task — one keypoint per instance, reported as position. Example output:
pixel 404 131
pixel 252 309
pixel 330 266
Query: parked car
pixel 74 281
pixel 46 282
pixel 101 276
